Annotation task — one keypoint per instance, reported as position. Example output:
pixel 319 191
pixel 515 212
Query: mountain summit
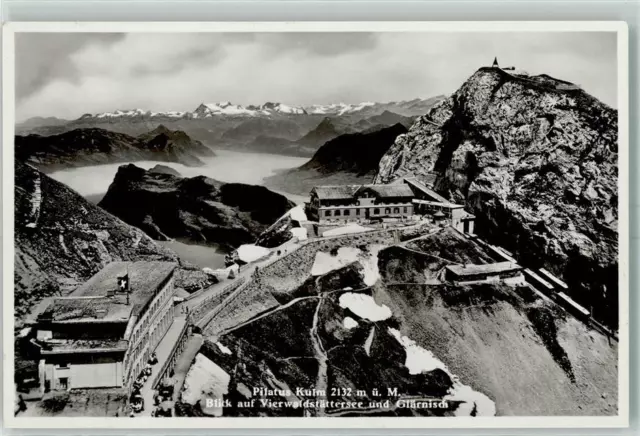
pixel 535 158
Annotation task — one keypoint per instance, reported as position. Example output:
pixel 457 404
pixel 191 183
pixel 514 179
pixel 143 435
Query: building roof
pixel 68 346
pixel 145 279
pixel 434 196
pixel 348 192
pixel 553 278
pixel 490 268
pixel 343 192
pixel 88 309
pixel 572 302
pixel 446 205
pixel 396 190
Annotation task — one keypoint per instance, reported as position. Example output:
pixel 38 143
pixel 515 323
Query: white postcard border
pixel 8 81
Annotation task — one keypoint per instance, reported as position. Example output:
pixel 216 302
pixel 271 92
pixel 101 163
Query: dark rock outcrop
pixel 352 158
pixel 163 169
pixel 199 208
pixel 535 159
pixel 61 240
pixel 358 153
pixel 93 146
pixel 164 138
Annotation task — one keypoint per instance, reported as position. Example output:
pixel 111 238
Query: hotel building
pixel 100 336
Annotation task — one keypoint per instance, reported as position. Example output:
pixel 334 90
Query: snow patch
pixel 518 280
pixel 300 233
pixel 222 273
pixel 297 214
pixel 204 380
pixel 364 306
pixel 222 348
pixel 349 323
pixel 345 230
pixel 337 108
pixel 369 261
pixel 222 108
pixel 421 360
pixel 369 341
pixel 250 253
pixel 325 262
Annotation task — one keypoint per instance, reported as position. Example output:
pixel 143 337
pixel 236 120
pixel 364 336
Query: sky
pixel 69 74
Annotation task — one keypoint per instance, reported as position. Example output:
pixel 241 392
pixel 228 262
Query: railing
pixel 174 348
pixel 198 313
pixel 223 304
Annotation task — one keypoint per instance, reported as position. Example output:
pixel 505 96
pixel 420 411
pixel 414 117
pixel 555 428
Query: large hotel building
pixel 100 336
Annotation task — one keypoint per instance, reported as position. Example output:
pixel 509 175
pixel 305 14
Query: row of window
pixel 159 300
pixel 155 333
pixel 376 211
pixel 141 327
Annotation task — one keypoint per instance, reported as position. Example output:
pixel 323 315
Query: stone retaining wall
pixel 215 300
pixel 289 271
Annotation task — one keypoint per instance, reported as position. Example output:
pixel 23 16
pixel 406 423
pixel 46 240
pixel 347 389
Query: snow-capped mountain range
pixel 206 110
pixel 226 125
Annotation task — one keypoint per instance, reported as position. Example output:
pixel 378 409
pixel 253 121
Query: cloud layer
pixel 69 74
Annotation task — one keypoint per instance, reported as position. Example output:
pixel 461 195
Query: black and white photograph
pixel 227 225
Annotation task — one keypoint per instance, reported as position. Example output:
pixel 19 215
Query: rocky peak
pixel 160 129
pixel 535 158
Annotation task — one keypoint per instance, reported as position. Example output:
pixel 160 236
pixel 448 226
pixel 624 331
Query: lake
pixel 227 166
pixel 204 256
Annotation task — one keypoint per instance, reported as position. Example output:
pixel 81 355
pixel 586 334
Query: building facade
pixel 428 202
pixel 461 274
pixel 353 203
pixel 100 337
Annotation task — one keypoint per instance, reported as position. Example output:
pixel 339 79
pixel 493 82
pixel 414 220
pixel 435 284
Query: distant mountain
pixel 413 107
pixel 386 118
pixel 163 138
pixel 226 108
pixel 82 147
pixel 61 240
pixel 326 130
pixel 254 127
pixel 199 208
pixel 40 122
pixel 269 107
pixel 351 158
pixel 236 127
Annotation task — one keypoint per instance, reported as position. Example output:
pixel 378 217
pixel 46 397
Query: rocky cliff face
pixel 61 240
pixel 201 209
pixel 535 159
